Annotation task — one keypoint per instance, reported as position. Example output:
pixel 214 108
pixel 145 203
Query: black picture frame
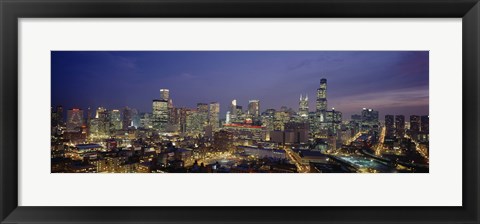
pixel 12 10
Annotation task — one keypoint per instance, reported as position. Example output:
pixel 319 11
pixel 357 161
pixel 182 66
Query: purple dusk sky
pixel 392 82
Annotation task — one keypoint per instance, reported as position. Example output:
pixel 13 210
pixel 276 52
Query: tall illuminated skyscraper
pixel 303 107
pixel 399 126
pixel 161 111
pixel 103 121
pixel 194 122
pixel 214 115
pixel 164 94
pixel 202 110
pixel 227 118
pixel 369 117
pixel 321 106
pixel 128 114
pixel 424 120
pixel 254 108
pixel 115 120
pixel 414 123
pixel 57 117
pixel 89 115
pixel 74 119
pixel 160 115
pixel 389 126
pixel 233 110
pixel 101 112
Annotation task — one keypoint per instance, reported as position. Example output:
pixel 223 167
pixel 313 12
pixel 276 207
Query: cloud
pixel 409 97
pixel 299 65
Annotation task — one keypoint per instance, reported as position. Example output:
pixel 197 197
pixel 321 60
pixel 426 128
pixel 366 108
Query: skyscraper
pixel 74 119
pixel 399 126
pixel 214 115
pixel 194 122
pixel 254 108
pixel 303 107
pixel 145 120
pixel 202 110
pixel 103 122
pixel 100 112
pixel 57 117
pixel 369 115
pixel 233 110
pixel 60 115
pixel 333 120
pixel 424 120
pixel 127 119
pixel 164 94
pixel 268 119
pixel 160 115
pixel 369 119
pixel 161 111
pixel 89 115
pixel 115 120
pixel 389 126
pixel 415 123
pixel 227 118
pixel 321 106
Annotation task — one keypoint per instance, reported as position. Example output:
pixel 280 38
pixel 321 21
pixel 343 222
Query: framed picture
pixel 250 112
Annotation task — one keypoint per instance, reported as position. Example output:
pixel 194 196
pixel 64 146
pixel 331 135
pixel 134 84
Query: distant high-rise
pixel 214 115
pixel 415 123
pixel 303 107
pixel 233 110
pixel 164 94
pixel 74 119
pixel 89 115
pixel 389 126
pixel 202 110
pixel 115 120
pixel 254 108
pixel 101 112
pixel 369 116
pixel 424 120
pixel 227 118
pixel 57 117
pixel 399 126
pixel 60 114
pixel 194 122
pixel 161 111
pixel 103 121
pixel 321 106
pixel 128 115
pixel 160 114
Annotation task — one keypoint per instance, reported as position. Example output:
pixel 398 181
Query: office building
pixel 424 123
pixel 399 126
pixel 160 115
pixel 303 107
pixel 321 103
pixel 115 120
pixel 253 108
pixel 415 123
pixel 214 115
pixel 74 120
pixel 164 94
pixel 389 126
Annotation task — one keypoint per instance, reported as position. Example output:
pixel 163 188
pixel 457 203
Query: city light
pixel 240 133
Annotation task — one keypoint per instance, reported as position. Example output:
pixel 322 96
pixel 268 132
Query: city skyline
pixel 118 79
pixel 182 130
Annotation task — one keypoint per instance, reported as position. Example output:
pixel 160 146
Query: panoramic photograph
pixel 239 112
